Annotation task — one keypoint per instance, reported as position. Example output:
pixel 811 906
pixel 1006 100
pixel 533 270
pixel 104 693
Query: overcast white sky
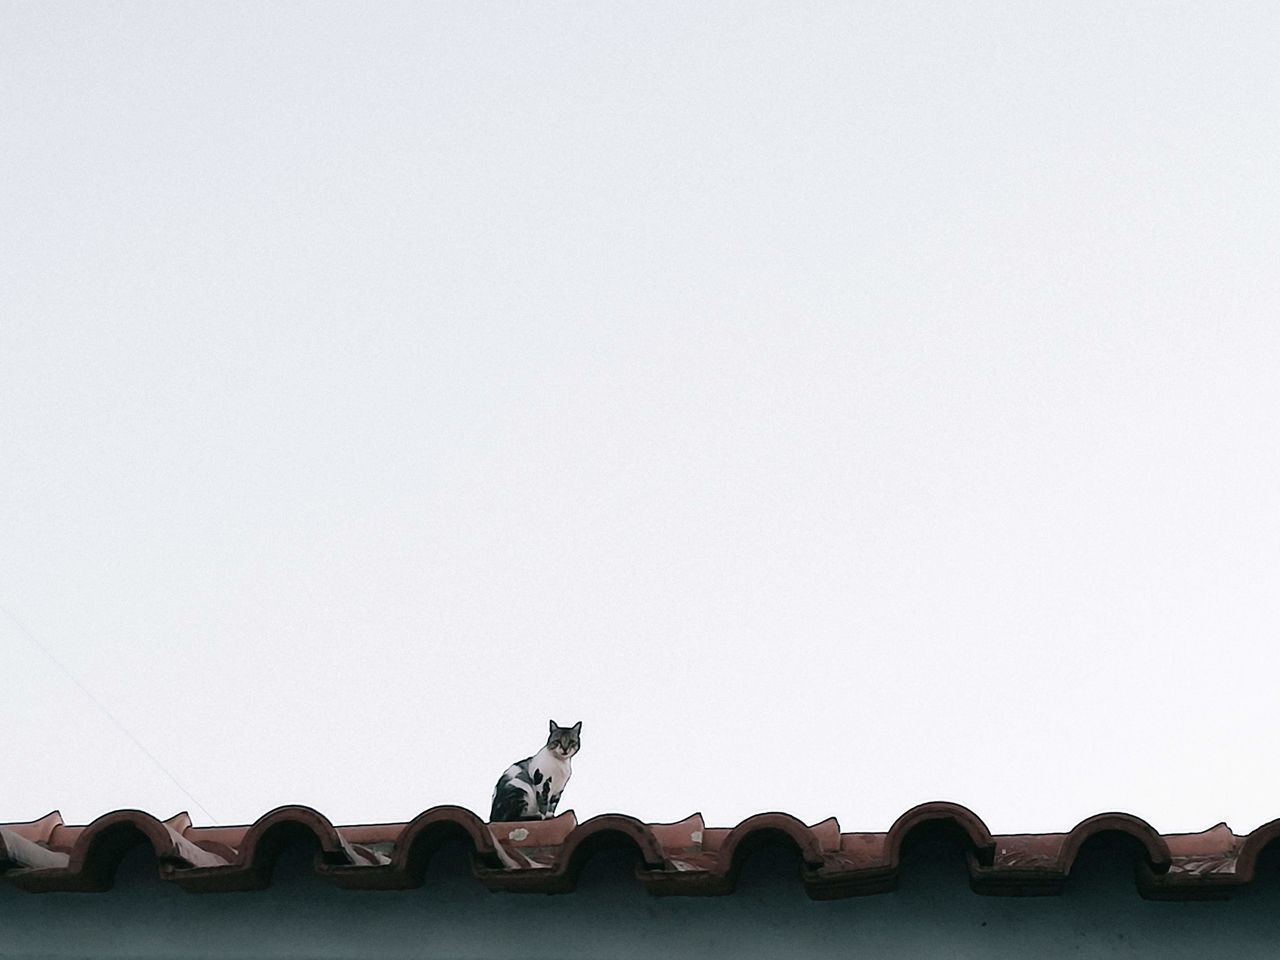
pixel 834 407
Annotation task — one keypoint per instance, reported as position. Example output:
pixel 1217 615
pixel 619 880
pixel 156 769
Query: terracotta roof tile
pixel 683 858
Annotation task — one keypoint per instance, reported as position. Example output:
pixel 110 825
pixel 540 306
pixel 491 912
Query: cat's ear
pixel 554 728
pixel 577 727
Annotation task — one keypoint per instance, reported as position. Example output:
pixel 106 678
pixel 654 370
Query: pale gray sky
pixel 833 406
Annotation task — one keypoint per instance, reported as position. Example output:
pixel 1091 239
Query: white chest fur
pixel 553 767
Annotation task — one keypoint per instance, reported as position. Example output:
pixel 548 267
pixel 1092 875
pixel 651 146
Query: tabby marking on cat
pixel 531 788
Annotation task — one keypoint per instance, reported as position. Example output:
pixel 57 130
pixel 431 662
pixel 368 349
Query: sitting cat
pixel 530 789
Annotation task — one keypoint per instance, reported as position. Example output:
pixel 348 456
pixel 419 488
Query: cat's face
pixel 565 740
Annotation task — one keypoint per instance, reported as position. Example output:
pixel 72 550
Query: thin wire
pixel 24 629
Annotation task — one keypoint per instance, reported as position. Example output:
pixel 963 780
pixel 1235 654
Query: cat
pixel 530 789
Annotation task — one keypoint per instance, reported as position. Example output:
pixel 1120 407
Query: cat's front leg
pixel 552 803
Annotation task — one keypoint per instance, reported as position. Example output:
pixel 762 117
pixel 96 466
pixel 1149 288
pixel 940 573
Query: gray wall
pixel 933 914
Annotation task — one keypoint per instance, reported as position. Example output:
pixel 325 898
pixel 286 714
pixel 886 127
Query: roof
pixel 687 858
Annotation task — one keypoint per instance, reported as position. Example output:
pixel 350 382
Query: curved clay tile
pixel 870 863
pixel 1157 851
pixel 415 844
pixel 764 824
pixel 608 825
pixel 608 831
pixel 1251 850
pixel 443 818
pixel 261 846
pixel 101 846
pixel 107 839
pixel 940 812
pixel 712 869
pixel 257 842
pixel 171 848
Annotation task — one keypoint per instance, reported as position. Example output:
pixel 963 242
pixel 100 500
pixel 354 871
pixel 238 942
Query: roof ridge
pixel 682 857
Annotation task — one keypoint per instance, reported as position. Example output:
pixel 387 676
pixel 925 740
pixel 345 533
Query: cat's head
pixel 565 740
